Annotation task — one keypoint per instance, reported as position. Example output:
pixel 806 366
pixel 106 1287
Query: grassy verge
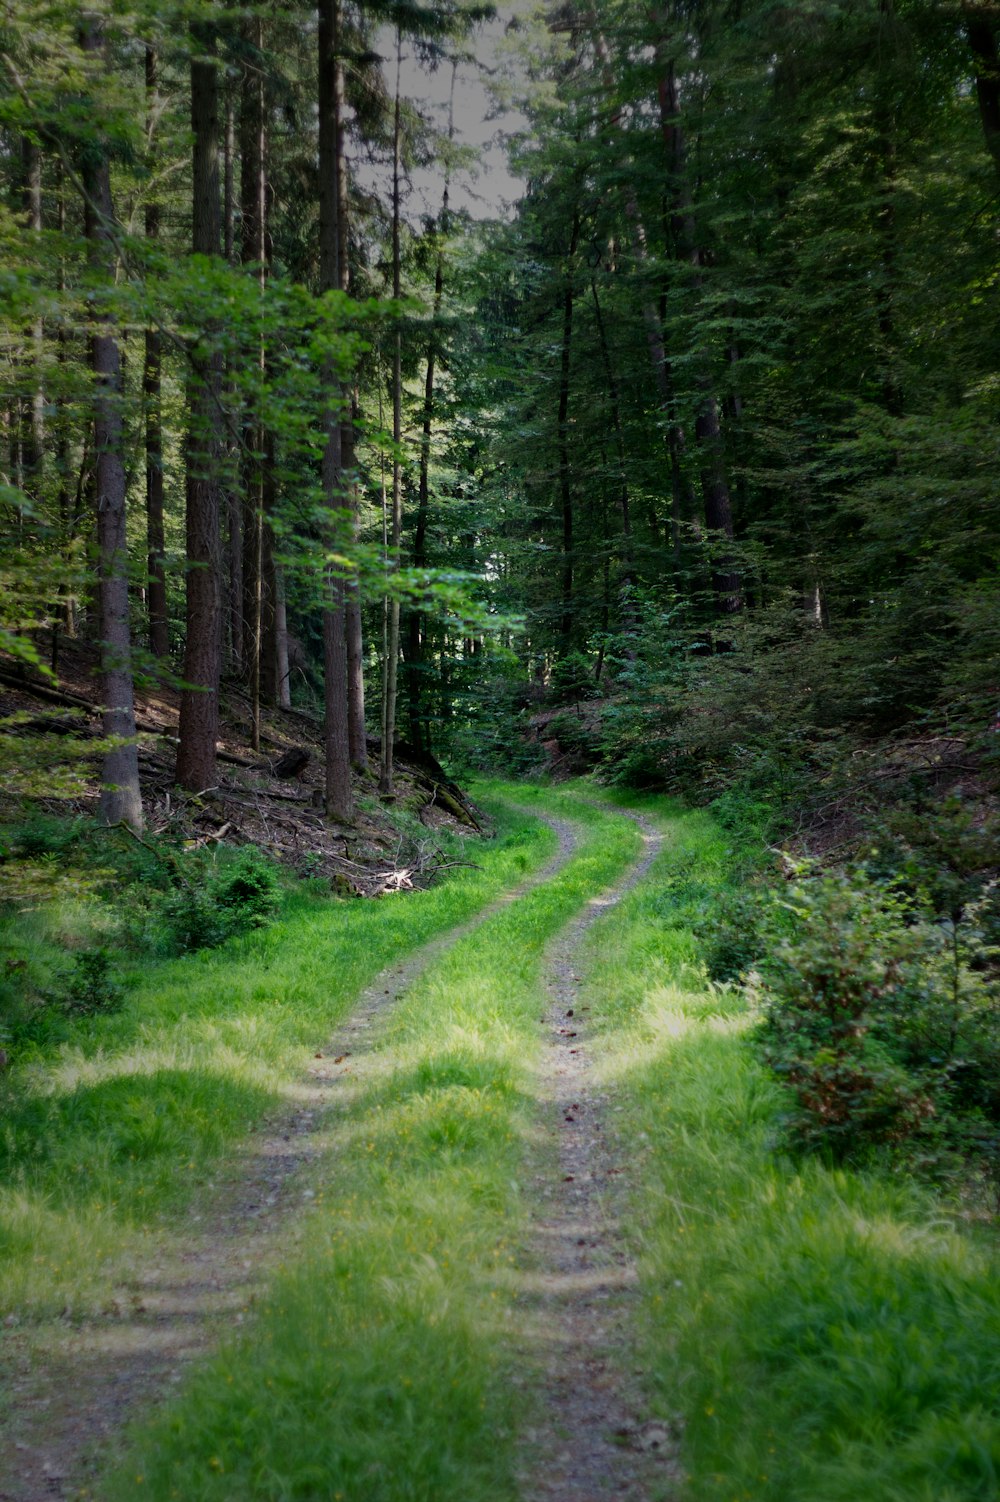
pixel 376 1370
pixel 822 1336
pixel 105 1138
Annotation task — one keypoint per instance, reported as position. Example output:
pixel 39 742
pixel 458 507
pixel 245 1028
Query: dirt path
pixel 72 1388
pixel 592 1440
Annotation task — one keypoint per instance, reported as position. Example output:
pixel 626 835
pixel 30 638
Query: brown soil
pixel 249 804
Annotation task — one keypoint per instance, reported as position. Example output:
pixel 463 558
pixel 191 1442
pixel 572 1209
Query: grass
pixel 377 1367
pixel 107 1135
pixel 821 1336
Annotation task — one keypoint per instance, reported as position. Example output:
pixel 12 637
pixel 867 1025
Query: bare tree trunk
pixel 355 644
pixel 281 639
pixel 654 328
pixel 33 441
pixel 199 715
pixel 339 792
pixel 247 546
pixel 417 629
pixel 392 641
pixel 565 485
pixel 121 800
pixel 981 30
pixel 716 499
pixel 151 382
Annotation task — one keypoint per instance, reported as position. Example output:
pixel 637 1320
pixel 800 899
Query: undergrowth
pixel 116 1119
pixel 377 1369
pixel 816 1334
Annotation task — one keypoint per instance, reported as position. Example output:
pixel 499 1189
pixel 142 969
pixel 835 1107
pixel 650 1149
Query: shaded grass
pixel 377 1369
pixel 110 1134
pixel 823 1336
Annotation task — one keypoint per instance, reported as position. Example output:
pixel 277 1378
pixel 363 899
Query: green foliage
pixel 808 1332
pixel 571 678
pixel 885 1035
pixel 91 986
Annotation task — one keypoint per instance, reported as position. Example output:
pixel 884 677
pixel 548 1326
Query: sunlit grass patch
pixel 822 1335
pixel 132 1112
pixel 378 1368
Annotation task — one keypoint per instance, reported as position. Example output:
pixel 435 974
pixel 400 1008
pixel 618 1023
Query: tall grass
pixel 377 1370
pixel 106 1137
pixel 820 1336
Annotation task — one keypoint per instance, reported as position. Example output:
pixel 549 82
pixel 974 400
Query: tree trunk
pixel 159 641
pixel 357 735
pixel 716 499
pixel 199 714
pixel 121 800
pixel 392 632
pixel 654 329
pixel 616 418
pixel 339 792
pixel 565 486
pixel 248 554
pixel 33 441
pixel 981 30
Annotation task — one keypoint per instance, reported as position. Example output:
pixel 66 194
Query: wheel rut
pixel 592 1439
pixel 72 1388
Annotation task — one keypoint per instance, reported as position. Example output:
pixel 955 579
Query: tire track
pixel 72 1390
pixel 592 1439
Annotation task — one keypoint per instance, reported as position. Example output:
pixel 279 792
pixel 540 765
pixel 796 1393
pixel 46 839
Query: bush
pixel 247 890
pixel 731 934
pixel 886 1038
pixel 91 986
pixel 241 896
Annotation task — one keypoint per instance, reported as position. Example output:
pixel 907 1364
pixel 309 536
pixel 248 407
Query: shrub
pixel 91 986
pixel 885 1035
pixel 247 890
pixel 844 964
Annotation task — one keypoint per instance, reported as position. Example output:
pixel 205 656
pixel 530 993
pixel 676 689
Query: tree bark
pixel 357 734
pixel 199 712
pixel 565 483
pixel 339 792
pixel 392 631
pixel 159 641
pixel 247 554
pixel 981 30
pixel 121 800
pixel 726 582
pixel 33 440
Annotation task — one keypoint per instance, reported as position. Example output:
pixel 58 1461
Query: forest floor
pixel 258 798
pixel 518 1229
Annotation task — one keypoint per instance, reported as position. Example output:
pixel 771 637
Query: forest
pixel 436 601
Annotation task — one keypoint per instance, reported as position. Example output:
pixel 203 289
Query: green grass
pixel 376 1369
pixel 823 1336
pixel 106 1136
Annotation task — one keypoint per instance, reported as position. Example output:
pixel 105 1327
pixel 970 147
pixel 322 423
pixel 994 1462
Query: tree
pixel 199 712
pixel 121 801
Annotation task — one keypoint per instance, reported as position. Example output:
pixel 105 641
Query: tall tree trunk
pixel 726 583
pixel 417 632
pixel 199 715
pixel 339 793
pixel 355 644
pixel 981 29
pixel 121 800
pixel 616 418
pixel 392 633
pixel 652 322
pixel 247 549
pixel 151 383
pixel 33 441
pixel 565 484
